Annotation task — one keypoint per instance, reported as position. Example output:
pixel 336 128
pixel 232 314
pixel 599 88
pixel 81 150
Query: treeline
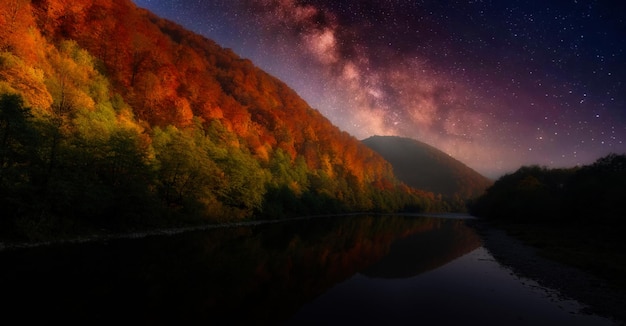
pixel 594 193
pixel 89 171
pixel 111 118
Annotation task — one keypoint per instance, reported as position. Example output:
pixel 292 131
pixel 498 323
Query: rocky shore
pixel 571 282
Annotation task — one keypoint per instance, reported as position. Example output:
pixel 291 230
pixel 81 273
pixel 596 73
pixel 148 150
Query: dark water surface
pixel 342 270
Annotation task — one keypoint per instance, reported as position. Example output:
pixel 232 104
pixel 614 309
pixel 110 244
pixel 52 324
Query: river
pixel 368 270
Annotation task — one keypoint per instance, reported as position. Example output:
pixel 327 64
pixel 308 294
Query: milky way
pixel 495 84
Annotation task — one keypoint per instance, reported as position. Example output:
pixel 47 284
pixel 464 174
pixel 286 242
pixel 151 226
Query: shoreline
pixel 4 246
pixel 592 292
pixel 165 231
pixel 573 283
pixel 168 231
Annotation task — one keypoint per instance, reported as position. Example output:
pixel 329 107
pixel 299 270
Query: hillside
pixel 592 194
pixel 112 117
pixel 422 166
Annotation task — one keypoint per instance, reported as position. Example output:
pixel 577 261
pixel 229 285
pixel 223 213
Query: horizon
pixel 496 86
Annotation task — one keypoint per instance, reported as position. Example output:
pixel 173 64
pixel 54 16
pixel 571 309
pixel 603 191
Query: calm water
pixel 340 270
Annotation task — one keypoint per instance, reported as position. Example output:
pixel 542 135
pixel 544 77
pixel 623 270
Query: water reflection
pixel 473 289
pixel 318 270
pixel 426 250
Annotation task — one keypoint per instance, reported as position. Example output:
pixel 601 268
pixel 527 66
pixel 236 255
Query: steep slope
pixel 424 167
pixel 169 76
pixel 123 117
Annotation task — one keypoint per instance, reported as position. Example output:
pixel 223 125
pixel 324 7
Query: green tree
pixel 186 174
pixel 243 181
pixel 18 141
pixel 16 135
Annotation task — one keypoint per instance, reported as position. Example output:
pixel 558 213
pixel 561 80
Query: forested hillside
pixel 112 118
pixel 593 194
pixel 422 166
pixel 575 215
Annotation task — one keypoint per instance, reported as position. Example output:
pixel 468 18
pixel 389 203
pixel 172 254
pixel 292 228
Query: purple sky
pixel 495 84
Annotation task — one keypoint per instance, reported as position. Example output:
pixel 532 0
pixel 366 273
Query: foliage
pixel 113 118
pixel 598 190
pixel 573 216
pixel 593 193
pixel 17 140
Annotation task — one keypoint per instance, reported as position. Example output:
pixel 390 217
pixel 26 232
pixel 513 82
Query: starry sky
pixel 495 84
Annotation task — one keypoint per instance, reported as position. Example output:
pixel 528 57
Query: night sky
pixel 495 84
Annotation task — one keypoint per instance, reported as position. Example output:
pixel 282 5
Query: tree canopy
pixel 592 193
pixel 113 118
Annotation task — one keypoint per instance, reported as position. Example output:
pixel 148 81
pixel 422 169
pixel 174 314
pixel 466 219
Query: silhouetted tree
pixel 18 141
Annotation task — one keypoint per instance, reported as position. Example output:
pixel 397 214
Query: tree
pixel 596 192
pixel 139 56
pixel 186 175
pixel 17 139
pixel 26 80
pixel 18 144
pixel 243 180
pixel 15 19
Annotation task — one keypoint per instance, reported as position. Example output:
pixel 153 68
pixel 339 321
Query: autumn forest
pixel 114 119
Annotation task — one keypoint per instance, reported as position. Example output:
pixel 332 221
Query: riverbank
pixel 104 235
pixel 599 295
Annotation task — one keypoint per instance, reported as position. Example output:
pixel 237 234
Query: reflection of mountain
pixel 425 251
pixel 261 274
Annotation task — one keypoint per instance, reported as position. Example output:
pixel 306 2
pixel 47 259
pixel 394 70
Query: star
pixel 473 79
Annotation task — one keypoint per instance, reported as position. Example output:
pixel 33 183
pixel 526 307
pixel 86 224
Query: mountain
pixel 422 166
pixel 112 117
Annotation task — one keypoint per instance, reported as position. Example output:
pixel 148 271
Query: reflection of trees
pixel 260 274
pixel 424 251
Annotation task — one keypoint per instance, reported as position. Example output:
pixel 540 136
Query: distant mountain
pixel 112 116
pixel 422 166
